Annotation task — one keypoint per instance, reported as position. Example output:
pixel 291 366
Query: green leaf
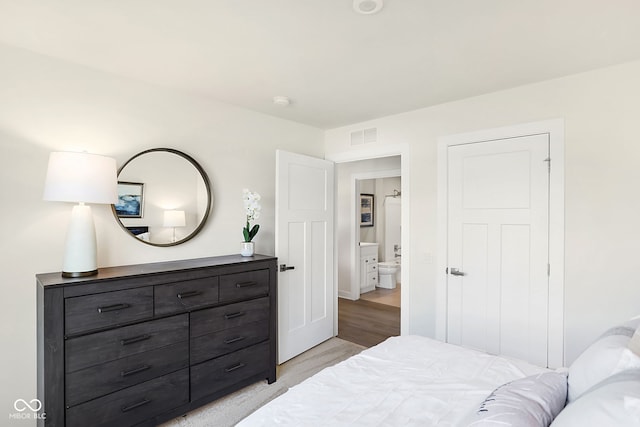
pixel 245 232
pixel 254 231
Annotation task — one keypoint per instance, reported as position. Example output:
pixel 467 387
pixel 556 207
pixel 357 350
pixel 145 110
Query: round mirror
pixel 164 197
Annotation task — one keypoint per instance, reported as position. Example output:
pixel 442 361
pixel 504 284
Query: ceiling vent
pixel 370 135
pixel 364 136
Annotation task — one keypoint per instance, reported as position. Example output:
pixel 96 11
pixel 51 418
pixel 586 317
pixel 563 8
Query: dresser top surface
pixel 56 279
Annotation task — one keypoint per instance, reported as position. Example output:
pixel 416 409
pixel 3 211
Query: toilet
pixel 387 274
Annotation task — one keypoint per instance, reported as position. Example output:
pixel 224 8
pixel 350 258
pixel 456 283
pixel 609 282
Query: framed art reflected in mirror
pixel 130 200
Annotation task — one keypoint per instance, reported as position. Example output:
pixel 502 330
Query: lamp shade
pixel 81 177
pixel 174 219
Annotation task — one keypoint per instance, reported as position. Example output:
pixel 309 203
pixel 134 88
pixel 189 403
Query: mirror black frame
pixel 207 184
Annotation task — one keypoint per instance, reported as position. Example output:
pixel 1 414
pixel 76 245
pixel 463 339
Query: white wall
pixel 602 207
pixel 48 105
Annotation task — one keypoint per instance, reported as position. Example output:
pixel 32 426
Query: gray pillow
pixel 527 402
pixel 626 331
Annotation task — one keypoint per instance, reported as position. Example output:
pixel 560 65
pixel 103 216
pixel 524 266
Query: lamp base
pixel 79 273
pixel 80 254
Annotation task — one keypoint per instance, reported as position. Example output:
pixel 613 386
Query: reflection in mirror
pixel 164 197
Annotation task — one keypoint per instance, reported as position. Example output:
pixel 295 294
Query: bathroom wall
pixel 384 187
pixel 380 188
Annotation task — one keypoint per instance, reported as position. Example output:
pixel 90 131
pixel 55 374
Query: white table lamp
pixel 81 178
pixel 174 218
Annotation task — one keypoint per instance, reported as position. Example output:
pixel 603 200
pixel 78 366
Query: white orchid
pixel 252 212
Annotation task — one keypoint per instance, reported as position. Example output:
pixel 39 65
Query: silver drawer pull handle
pixel 234 315
pixel 114 307
pixel 134 371
pixel 233 368
pixel 232 340
pixel 135 405
pixel 189 294
pixel 132 340
pixel 245 284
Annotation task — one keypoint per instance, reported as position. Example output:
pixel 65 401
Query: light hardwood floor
pixel 384 296
pixel 371 319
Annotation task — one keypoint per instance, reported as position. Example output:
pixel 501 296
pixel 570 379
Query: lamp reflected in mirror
pixel 164 197
pixel 173 219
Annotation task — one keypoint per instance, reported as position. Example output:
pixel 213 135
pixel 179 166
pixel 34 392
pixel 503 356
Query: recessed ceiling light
pixel 281 101
pixel 367 7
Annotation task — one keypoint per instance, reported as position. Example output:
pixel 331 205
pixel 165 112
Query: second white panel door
pixel 498 237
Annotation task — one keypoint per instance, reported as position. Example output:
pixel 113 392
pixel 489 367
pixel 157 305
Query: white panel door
pixel 304 247
pixel 498 245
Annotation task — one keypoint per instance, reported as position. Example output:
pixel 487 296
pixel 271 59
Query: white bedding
pixel 405 381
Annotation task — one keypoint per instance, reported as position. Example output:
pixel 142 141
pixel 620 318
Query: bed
pixel 417 381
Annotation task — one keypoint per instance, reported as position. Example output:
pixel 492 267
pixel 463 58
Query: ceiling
pixel 337 67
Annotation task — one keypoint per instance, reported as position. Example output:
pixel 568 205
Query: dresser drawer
pixel 232 315
pixel 96 311
pixel 86 384
pixel 244 285
pixel 100 347
pixel 218 374
pixel 134 404
pixel 223 342
pixel 186 295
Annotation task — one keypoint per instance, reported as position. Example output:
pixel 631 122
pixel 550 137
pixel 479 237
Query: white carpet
pixel 229 410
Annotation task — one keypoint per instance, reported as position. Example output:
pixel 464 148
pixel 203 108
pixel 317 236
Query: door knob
pixel 456 272
pixel 284 267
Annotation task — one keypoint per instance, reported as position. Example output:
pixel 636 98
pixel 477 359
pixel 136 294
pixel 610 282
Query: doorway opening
pixel 369 249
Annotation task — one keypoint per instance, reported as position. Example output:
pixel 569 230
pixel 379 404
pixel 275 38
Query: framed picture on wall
pixel 366 210
pixel 130 199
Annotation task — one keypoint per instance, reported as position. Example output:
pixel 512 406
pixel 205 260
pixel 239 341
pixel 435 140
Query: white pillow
pixel 527 402
pixel 605 357
pixel 612 402
pixel 634 342
pixel 633 323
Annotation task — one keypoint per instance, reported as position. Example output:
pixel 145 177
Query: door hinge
pixel 548 160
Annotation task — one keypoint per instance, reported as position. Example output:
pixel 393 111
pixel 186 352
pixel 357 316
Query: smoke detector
pixel 367 7
pixel 281 101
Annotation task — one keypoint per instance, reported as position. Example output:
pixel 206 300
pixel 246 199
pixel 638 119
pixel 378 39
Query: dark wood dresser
pixel 141 344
